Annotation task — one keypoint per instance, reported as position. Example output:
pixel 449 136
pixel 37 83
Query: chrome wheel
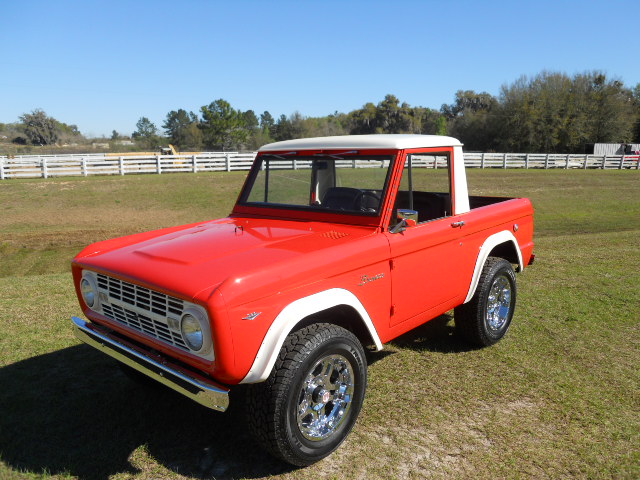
pixel 498 303
pixel 325 397
pixel 312 398
pixel 486 318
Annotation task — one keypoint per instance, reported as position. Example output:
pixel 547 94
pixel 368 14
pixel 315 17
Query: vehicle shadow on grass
pixel 74 412
pixel 437 335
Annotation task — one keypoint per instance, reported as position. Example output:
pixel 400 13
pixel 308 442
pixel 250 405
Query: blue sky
pixel 103 65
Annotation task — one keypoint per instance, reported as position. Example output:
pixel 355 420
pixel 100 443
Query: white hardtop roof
pixel 378 141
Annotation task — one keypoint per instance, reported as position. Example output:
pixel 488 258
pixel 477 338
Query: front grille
pixel 144 310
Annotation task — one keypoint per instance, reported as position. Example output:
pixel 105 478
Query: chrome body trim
pixel 201 390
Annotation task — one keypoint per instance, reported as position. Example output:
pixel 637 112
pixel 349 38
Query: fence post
pixel 195 164
pixel 586 160
pixel 158 165
pixel 504 160
pixel 353 163
pixel 482 161
pixel 2 177
pixel 621 162
pixel 227 162
pixel 546 161
pixel 45 172
pixel 566 167
pixel 121 160
pixel 295 164
pixel 84 166
pixel 526 162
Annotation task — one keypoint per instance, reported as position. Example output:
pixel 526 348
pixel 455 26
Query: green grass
pixel 559 397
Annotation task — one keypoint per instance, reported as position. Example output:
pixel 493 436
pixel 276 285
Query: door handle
pixel 457 224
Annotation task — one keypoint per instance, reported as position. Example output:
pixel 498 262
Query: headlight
pixel 192 333
pixel 89 291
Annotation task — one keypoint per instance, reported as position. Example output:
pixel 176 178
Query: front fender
pixel 291 315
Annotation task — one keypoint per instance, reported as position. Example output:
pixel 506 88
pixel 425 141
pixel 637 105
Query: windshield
pixel 353 184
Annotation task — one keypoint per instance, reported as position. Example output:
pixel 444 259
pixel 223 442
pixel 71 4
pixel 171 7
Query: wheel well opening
pixel 344 316
pixel 506 250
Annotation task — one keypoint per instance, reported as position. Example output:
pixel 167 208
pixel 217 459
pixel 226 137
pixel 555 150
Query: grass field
pixel 559 397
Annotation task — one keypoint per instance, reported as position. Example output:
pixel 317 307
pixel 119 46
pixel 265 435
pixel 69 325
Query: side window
pixel 425 186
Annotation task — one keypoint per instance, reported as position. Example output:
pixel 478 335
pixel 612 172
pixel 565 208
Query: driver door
pixel 426 262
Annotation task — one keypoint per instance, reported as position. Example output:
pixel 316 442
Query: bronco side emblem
pixel 251 316
pixel 366 279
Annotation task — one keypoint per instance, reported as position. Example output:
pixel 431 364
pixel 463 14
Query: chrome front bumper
pixel 200 389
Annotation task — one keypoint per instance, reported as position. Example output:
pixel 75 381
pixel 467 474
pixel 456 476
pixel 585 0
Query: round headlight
pixel 192 332
pixel 88 292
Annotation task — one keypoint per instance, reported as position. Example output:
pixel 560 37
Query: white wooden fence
pixel 46 166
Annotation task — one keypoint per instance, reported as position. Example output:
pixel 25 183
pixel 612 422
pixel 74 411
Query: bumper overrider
pixel 190 384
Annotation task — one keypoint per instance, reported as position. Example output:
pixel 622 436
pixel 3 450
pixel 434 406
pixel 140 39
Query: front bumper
pixel 188 383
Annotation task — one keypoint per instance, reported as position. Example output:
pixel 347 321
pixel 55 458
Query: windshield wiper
pixel 336 156
pixel 281 156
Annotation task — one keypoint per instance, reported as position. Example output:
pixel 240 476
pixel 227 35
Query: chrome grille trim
pixel 147 311
pixel 140 297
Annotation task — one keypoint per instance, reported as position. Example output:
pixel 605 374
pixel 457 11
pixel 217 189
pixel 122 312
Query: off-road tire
pixel 273 406
pixel 486 318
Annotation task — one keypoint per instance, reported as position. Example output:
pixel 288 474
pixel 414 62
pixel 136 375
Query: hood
pixel 244 257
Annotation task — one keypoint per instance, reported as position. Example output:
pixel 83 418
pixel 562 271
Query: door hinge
pixel 392 311
pixel 392 264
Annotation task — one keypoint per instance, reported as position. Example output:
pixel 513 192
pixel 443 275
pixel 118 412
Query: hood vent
pixel 334 235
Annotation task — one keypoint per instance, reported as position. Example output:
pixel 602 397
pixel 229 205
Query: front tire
pixel 311 400
pixel 485 319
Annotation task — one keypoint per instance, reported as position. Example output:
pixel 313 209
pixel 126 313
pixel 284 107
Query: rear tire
pixel 486 318
pixel 311 400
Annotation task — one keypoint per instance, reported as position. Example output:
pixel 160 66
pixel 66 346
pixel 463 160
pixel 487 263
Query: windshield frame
pixel 303 212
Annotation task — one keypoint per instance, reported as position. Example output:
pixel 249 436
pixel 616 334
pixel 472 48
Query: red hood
pixel 243 256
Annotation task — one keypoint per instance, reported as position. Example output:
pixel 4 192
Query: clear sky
pixel 103 64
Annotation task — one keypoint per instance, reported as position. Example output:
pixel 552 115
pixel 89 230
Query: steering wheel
pixel 361 204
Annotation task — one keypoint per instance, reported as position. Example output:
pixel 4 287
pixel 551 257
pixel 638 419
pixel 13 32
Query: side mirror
pixel 406 218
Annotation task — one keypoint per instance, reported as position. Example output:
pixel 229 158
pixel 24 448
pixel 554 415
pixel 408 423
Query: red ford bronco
pixel 334 244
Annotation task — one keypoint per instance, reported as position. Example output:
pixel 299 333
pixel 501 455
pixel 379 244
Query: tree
pixel 553 112
pixel 391 117
pixel 323 126
pixel 146 133
pixel 222 126
pixel 441 126
pixel 250 120
pixel 267 122
pixel 364 120
pixel 144 128
pixel 181 128
pixel 612 112
pixel 39 128
pixel 191 137
pixel 282 130
pixel 471 119
pixel 115 135
pixel 468 101
pixel 636 101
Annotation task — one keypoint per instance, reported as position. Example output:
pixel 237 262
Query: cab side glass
pixel 425 187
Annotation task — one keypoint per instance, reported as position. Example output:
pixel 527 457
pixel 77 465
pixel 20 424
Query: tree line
pixel 550 112
pixel 37 128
